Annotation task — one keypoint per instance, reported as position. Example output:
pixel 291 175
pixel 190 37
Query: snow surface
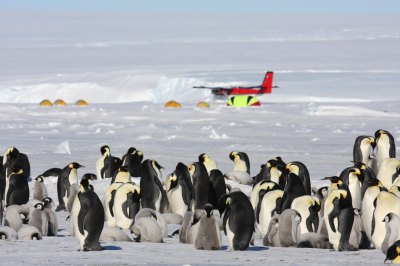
pixel 338 78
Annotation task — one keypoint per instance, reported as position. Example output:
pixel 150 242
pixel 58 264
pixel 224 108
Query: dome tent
pixel 243 101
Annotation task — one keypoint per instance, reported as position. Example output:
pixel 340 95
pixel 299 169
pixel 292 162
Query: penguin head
pixel 272 163
pixel 390 216
pixel 375 183
pixel 192 168
pixel 322 192
pixel 335 180
pixel 131 150
pixel 16 170
pixel 293 168
pixel 47 201
pixel 75 165
pixel 233 155
pixel 3 236
pixel 84 185
pixel 39 179
pixel 360 165
pixel 393 253
pixel 202 157
pixel 39 206
pixel 208 208
pixel 36 236
pixel 357 212
pixel 89 176
pixel 156 165
pixel 105 150
pixel 11 153
pixel 358 173
pixel 172 179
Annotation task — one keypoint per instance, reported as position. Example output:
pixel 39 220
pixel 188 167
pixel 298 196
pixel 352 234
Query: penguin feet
pixel 137 239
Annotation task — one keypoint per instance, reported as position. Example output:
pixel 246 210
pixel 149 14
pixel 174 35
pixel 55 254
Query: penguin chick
pixel 39 189
pixel 28 232
pixel 15 216
pixel 240 177
pixel 7 233
pixel 172 218
pixel 193 229
pixel 52 228
pixel 147 212
pixel 314 240
pixel 38 219
pixel 208 235
pixel 289 228
pixel 147 230
pixel 392 224
pixel 112 234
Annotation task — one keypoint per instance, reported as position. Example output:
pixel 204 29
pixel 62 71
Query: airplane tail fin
pixel 266 86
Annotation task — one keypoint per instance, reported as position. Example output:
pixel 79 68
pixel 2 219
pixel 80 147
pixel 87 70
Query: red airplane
pixel 264 88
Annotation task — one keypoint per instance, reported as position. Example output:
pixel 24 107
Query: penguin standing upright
pixel 241 161
pixel 152 191
pixel 133 159
pixel 180 190
pixel 18 189
pixel 385 203
pixel 363 150
pixel 368 204
pixel 339 218
pixel 67 177
pixel 289 228
pixel 308 208
pixel 269 204
pixel 90 219
pixel 208 162
pixel 293 189
pixel 38 219
pixel 385 146
pixel 208 235
pixel 126 205
pixel 217 187
pixel 111 166
pixel 277 172
pixel 238 221
pixel 353 179
pixel 301 170
pixel 39 189
pixel 109 203
pixel 105 152
pixel 201 183
pixel 52 228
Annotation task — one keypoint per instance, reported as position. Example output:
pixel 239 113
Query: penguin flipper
pixel 334 213
pixel 81 218
pixel 52 172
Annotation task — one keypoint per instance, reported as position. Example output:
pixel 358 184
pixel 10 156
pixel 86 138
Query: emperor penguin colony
pixel 357 209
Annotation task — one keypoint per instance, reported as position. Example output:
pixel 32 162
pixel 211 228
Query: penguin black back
pixel 152 190
pixel 293 189
pixel 133 160
pixel 217 187
pixel 200 183
pixel 183 175
pixel 18 189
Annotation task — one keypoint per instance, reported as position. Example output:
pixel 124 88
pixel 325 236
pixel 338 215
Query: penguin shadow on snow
pixel 111 247
pixel 251 248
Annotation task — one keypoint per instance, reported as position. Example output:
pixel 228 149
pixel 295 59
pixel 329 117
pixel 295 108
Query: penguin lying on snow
pixel 314 240
pixel 147 212
pixel 7 233
pixel 13 216
pixel 28 232
pixel 147 229
pixel 111 234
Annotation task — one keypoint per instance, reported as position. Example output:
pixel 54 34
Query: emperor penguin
pixel 208 162
pixel 18 189
pixel 15 216
pixel 367 206
pixel 289 228
pixel 293 189
pixel 389 170
pixel 265 186
pixel 28 232
pixel 238 221
pixel 52 228
pixel 90 218
pixel 363 150
pixel 126 205
pixel 277 172
pixel 180 190
pixel 208 235
pixel 111 166
pixel 308 208
pixel 393 253
pixel 301 171
pixel 193 227
pixel 39 189
pixel 241 161
pixel 109 203
pixel 336 183
pixel 121 175
pixel 159 218
pixel 152 191
pixel 147 230
pixel 217 187
pixel 51 172
pixel 73 192
pixel 133 159
pixel 392 224
pixel 201 183
pixel 268 206
pixel 38 219
pixel 367 173
pixel 67 177
pixel 385 146
pixel 105 152
pixel 339 218
pixel 353 179
pixel 385 203
pixel 14 158
pixel 7 233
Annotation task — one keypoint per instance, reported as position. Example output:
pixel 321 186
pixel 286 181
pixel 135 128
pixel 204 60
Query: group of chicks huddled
pixel 360 209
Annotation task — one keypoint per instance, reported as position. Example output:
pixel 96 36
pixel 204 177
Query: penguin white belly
pixel 239 165
pixel 99 166
pixel 121 220
pixel 368 208
pixel 74 217
pixel 229 235
pixel 265 216
pixel 192 233
pixel 382 151
pixel 275 174
pixel 386 203
pixel 239 176
pixel 355 191
pixel 366 151
pixel 334 237
pixel 178 206
pixel 73 177
pixel 158 201
pixel 254 195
